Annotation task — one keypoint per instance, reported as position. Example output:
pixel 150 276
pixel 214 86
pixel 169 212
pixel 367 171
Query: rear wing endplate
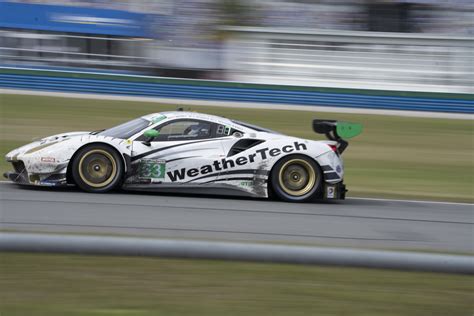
pixel 337 131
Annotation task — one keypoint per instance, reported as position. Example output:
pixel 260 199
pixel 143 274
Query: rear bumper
pixel 334 191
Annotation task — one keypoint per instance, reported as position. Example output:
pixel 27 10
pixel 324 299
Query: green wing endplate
pixel 335 130
pixel 347 130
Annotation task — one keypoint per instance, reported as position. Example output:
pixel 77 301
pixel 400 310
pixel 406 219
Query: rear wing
pixel 337 131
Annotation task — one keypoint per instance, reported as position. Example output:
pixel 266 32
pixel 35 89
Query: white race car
pixel 190 152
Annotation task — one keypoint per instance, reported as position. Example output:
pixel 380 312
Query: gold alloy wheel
pixel 297 177
pixel 97 168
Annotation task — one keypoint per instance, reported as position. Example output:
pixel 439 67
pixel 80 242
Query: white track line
pixel 411 201
pixel 247 105
pixel 370 199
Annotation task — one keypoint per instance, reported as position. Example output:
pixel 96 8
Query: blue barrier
pixel 74 19
pixel 183 89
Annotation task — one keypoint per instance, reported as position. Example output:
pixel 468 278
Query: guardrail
pixel 126 246
pixel 351 59
pixel 66 81
pixel 24 49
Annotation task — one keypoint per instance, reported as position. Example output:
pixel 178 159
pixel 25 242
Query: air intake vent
pixel 18 166
pixel 243 145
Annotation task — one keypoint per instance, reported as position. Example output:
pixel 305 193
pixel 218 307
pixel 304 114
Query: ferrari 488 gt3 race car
pixel 190 152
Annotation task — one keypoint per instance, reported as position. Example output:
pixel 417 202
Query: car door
pixel 241 161
pixel 185 152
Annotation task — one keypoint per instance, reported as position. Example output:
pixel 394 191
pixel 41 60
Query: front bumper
pixel 21 175
pixel 36 179
pixel 20 178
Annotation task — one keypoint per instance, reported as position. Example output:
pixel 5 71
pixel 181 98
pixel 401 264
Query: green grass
pixel 396 157
pixel 33 284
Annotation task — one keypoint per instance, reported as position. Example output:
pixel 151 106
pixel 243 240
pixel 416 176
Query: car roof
pixel 187 114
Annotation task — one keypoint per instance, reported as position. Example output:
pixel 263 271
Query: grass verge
pixel 395 157
pixel 33 284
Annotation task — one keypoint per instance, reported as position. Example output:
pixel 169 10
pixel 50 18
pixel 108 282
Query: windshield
pixel 126 130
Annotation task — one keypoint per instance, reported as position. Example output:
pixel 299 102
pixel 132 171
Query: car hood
pixel 43 143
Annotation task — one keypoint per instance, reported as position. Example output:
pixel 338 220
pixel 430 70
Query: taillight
pixel 333 147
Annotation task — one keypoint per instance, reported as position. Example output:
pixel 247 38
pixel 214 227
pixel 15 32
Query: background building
pixel 421 45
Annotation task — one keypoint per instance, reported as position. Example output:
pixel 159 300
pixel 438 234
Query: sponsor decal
pixel 48 159
pixel 229 163
pixel 330 192
pixel 338 169
pixel 45 183
pixel 152 169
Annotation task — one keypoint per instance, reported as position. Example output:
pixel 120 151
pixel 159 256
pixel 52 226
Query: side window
pixel 183 130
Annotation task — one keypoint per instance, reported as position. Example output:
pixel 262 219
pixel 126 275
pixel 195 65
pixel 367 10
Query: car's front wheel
pixel 296 178
pixel 97 168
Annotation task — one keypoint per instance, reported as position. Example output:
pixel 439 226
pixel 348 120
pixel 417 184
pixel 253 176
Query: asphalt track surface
pixel 363 223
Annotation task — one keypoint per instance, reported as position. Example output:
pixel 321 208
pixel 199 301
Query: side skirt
pixel 217 189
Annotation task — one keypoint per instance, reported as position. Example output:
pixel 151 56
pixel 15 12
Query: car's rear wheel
pixel 97 168
pixel 296 178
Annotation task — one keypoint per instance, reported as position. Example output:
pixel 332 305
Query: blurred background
pixel 417 45
pixel 351 56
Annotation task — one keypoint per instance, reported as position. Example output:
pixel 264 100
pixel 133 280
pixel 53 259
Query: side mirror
pixel 150 135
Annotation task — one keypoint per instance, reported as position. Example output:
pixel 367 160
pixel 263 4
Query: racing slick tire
pixel 296 178
pixel 97 168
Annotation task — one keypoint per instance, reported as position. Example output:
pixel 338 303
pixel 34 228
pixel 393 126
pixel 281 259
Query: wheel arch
pixel 270 189
pixel 126 162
